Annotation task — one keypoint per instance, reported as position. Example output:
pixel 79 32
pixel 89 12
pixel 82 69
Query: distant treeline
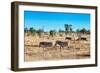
pixel 68 29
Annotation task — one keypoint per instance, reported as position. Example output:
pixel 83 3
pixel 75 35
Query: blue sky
pixel 55 20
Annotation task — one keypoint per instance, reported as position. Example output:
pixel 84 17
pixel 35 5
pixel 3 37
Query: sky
pixel 55 20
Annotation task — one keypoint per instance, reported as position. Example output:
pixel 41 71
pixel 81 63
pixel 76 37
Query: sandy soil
pixel 74 50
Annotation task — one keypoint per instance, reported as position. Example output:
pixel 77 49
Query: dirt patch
pixel 74 50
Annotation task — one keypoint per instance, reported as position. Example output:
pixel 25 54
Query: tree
pixel 52 33
pixel 32 30
pixel 88 31
pixel 68 28
pixel 39 32
pixel 61 32
pixel 25 30
pixel 71 29
pixel 83 30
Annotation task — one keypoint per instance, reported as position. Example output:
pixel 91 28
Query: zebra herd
pixel 61 44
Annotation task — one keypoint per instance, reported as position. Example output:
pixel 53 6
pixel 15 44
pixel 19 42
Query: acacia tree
pixel 68 28
pixel 39 32
pixel 25 30
pixel 32 30
pixel 83 31
pixel 71 29
pixel 52 33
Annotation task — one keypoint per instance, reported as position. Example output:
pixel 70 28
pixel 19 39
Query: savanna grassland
pixel 77 46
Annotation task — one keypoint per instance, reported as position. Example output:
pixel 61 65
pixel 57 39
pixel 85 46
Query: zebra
pixel 62 44
pixel 45 44
pixel 68 38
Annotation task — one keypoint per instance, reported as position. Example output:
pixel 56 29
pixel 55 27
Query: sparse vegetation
pixel 62 50
pixel 68 30
pixel 61 32
pixel 25 30
pixel 39 32
pixel 52 33
pixel 33 31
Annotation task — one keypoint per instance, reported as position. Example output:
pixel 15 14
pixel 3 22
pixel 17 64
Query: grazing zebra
pixel 68 38
pixel 45 44
pixel 62 44
pixel 82 38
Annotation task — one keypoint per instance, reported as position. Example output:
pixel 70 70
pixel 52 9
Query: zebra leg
pixel 55 46
pixel 60 48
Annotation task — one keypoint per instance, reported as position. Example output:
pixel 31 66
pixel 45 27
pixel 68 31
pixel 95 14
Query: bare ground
pixel 75 50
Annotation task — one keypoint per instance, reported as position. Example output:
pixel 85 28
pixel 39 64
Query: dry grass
pixel 75 50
